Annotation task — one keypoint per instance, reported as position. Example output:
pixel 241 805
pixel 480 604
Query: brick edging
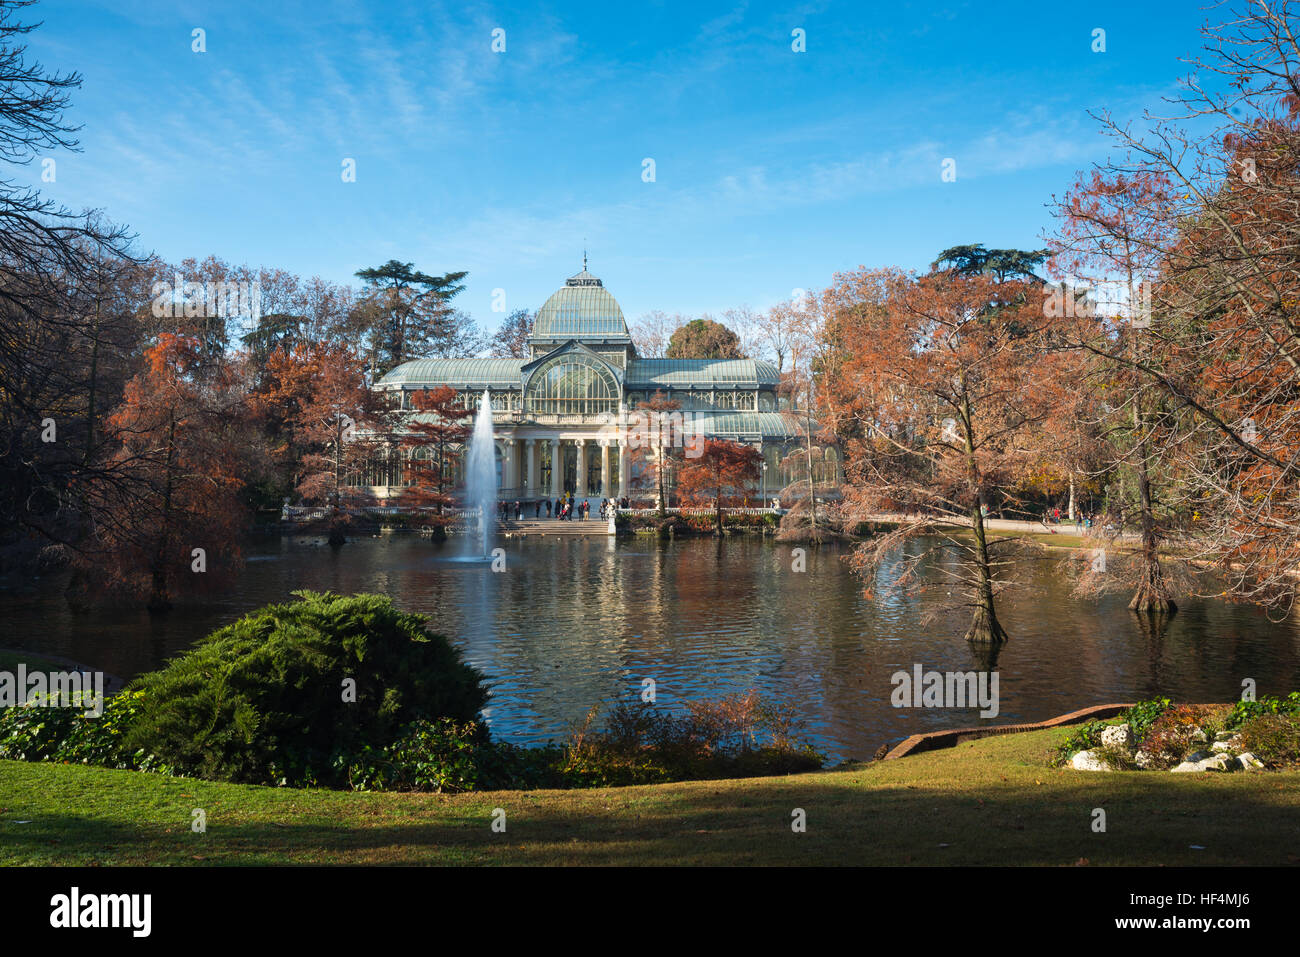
pixel 935 740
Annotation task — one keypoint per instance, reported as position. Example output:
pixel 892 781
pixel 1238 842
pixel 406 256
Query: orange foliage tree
pixel 721 467
pixel 166 509
pixel 1224 310
pixel 316 395
pixel 939 394
pixel 657 427
pixel 433 440
pixel 1112 230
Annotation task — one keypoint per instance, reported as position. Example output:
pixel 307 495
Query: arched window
pixel 572 384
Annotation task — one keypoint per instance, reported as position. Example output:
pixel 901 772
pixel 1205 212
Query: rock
pixel 1088 761
pixel 1197 735
pixel 1197 756
pixel 1221 747
pixel 1117 736
pixel 1214 762
pixel 1224 736
pixel 1248 762
pixel 1144 760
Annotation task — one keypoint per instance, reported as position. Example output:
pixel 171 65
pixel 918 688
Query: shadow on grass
pixel 850 821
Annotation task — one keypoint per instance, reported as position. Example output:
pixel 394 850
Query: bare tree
pixel 1224 339
pixel 652 331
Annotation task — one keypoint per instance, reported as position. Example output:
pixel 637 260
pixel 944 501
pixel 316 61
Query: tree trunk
pixel 661 464
pixel 158 597
pixel 812 488
pixel 985 629
pixel 1152 594
pixel 336 537
pixel 719 505
pixel 92 386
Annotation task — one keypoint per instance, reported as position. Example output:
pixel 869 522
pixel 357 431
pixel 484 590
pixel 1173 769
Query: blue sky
pixel 773 168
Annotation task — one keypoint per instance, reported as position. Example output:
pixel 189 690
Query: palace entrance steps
pixel 553 526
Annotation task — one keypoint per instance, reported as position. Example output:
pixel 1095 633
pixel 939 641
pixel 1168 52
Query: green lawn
pixel 993 801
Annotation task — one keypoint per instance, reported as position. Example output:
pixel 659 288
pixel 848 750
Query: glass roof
pixel 583 309
pixel 457 373
pixel 649 373
pixel 641 373
pixel 768 424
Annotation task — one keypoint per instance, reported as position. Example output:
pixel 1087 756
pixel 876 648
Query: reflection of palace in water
pixel 560 415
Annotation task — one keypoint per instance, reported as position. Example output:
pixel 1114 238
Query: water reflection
pixel 573 621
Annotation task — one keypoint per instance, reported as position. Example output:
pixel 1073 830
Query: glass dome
pixel 582 309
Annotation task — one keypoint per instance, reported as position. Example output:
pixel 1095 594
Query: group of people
pixel 564 508
pixel 567 507
pixel 1082 520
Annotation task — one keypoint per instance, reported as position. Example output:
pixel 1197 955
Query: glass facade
pixel 572 384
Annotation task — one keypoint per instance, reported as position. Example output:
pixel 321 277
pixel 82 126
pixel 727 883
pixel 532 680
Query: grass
pixel 993 801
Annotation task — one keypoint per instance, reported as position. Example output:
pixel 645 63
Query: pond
pixel 573 621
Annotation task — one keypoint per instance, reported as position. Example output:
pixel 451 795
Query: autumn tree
pixel 656 429
pixel 316 406
pixel 721 467
pixel 433 440
pixel 166 515
pixel 1111 231
pixel 1225 344
pixel 931 398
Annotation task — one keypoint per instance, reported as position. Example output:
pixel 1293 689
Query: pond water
pixel 574 621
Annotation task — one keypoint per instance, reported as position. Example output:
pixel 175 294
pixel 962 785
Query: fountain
pixel 481 474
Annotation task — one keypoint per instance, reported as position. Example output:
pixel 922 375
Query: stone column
pixel 530 456
pixel 580 486
pixel 508 462
pixel 604 468
pixel 623 469
pixel 556 471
